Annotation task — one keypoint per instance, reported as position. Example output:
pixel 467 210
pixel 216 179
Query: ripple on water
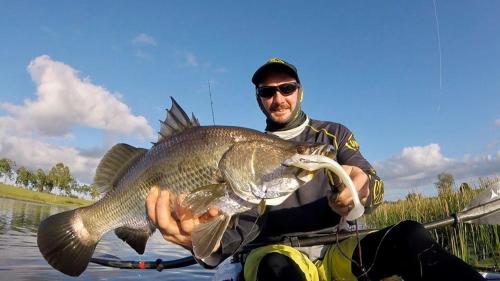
pixel 21 260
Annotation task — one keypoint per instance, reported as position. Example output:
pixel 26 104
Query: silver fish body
pixel 230 168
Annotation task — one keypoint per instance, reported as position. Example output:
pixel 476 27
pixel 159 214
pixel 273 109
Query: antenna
pixel 440 55
pixel 211 102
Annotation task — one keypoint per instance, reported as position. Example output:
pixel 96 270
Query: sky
pixel 418 82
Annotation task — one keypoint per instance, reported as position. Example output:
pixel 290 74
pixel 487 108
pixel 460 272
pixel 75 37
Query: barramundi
pixel 233 169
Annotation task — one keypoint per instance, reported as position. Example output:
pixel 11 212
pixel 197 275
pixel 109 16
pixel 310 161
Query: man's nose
pixel 278 97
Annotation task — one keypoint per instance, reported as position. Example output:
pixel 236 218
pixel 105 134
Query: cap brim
pixel 260 73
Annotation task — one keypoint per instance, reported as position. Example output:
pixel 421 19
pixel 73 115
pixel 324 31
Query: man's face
pixel 279 107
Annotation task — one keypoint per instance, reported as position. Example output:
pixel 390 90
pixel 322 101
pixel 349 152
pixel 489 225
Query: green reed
pixel 474 243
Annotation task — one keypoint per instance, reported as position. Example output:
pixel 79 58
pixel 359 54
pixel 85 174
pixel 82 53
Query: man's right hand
pixel 175 222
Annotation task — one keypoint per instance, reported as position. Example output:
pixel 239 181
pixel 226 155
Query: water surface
pixel 21 260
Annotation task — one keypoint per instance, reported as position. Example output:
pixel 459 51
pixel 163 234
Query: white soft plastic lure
pixel 316 162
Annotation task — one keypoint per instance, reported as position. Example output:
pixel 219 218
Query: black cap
pixel 274 63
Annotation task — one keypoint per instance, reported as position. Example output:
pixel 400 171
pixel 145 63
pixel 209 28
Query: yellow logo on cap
pixel 278 60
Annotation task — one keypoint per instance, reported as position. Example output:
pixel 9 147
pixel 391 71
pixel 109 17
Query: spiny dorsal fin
pixel 115 164
pixel 176 121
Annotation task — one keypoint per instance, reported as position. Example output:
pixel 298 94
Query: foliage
pixel 61 177
pixel 464 187
pixel 7 168
pixel 58 176
pixel 445 183
pixel 24 177
pixel 42 182
pixel 91 190
pixel 414 196
pixel 470 242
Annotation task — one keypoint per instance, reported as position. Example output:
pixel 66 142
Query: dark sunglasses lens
pixel 288 88
pixel 266 92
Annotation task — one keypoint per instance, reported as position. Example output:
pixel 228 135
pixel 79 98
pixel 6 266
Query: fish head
pixel 323 149
pixel 303 173
pixel 281 181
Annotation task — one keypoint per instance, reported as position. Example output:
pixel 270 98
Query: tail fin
pixel 65 243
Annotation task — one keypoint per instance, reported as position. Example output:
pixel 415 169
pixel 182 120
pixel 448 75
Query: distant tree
pixel 61 177
pixel 6 168
pixel 94 193
pixel 413 196
pixel 464 187
pixel 41 181
pixel 90 190
pixel 445 183
pixel 74 187
pixel 24 177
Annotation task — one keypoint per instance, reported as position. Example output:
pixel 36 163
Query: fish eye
pixel 301 149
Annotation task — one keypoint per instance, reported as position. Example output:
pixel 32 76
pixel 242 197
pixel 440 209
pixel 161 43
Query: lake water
pixel 21 260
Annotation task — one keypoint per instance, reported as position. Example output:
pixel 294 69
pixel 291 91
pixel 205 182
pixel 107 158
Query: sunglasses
pixel 285 89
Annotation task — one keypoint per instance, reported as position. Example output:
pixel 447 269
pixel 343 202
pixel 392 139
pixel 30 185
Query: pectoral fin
pixel 199 200
pixel 136 238
pixel 206 236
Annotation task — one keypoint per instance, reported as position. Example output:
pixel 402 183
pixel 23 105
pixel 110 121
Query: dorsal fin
pixel 115 164
pixel 176 121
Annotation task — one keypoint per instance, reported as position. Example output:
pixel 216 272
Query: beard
pixel 279 107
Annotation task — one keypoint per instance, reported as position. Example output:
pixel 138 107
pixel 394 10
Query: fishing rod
pixel 483 209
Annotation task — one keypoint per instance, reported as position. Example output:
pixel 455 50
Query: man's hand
pixel 173 220
pixel 342 202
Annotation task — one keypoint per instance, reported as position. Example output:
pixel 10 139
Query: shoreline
pixel 17 193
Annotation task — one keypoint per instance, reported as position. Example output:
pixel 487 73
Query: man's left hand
pixel 342 202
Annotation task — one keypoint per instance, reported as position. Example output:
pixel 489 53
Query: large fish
pixel 230 168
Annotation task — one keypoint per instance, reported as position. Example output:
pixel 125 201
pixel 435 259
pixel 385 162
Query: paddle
pixel 483 209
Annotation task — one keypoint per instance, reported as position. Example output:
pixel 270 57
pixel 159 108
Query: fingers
pixel 342 202
pixel 174 221
pixel 151 204
pixel 163 215
pixel 213 212
pixel 339 205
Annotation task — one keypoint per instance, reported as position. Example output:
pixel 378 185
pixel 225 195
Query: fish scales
pixel 167 165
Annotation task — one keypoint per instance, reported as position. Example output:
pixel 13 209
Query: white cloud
pixel 65 100
pixel 144 39
pixel 34 154
pixel 416 168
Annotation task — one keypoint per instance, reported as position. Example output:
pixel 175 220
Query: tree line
pixel 58 177
pixel 445 185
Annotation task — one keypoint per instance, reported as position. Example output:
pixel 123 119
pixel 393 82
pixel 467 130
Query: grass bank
pixel 9 191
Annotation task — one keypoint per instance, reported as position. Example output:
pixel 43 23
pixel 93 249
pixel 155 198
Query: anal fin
pixel 135 237
pixel 206 236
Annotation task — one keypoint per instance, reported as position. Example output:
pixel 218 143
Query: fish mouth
pixel 273 198
pixel 305 176
pixel 327 150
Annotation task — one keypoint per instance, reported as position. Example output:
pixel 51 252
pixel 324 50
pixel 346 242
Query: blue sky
pixel 77 77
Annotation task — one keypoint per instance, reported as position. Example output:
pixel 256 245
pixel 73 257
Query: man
pixel 405 249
